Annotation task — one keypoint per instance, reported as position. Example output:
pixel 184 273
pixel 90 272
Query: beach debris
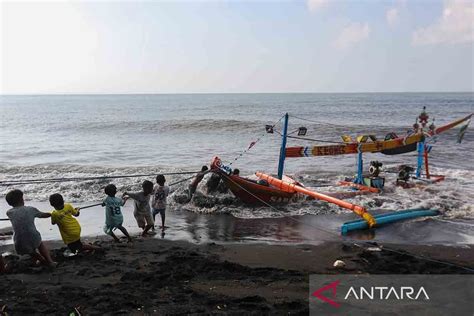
pixel 3 310
pixel 374 249
pixel 68 253
pixel 339 264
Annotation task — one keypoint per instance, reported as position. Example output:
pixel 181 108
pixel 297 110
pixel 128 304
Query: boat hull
pixel 252 193
pixel 354 148
pixel 394 146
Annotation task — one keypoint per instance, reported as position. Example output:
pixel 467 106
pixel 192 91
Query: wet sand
pixel 218 263
pixel 305 229
pixel 178 277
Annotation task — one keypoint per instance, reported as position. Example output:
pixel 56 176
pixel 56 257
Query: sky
pixel 63 47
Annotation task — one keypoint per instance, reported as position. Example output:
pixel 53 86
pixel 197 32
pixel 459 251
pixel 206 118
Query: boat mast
pixel 281 162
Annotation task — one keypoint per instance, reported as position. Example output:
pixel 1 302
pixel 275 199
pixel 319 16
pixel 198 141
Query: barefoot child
pixel 68 226
pixel 113 213
pixel 142 211
pixel 26 238
pixel 160 193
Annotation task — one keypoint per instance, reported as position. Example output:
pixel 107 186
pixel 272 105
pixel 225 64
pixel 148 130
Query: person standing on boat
pixel 193 186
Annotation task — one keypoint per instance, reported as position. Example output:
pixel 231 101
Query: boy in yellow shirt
pixel 68 225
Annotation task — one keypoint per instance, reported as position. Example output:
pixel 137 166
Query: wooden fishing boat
pixel 353 148
pixel 392 145
pixel 254 193
pixel 261 192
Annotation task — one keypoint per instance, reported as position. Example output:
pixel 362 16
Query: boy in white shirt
pixel 160 193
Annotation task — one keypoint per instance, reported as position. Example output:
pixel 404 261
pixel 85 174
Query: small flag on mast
pixel 462 131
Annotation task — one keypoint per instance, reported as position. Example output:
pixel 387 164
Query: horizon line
pixel 208 93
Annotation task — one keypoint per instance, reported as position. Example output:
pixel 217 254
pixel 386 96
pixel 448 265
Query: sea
pixel 63 136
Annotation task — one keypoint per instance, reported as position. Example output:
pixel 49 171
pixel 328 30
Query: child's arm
pixel 53 218
pixel 78 209
pixel 131 195
pixel 44 215
pixel 39 214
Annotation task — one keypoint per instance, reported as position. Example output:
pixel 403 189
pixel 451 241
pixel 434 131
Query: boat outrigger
pixel 282 188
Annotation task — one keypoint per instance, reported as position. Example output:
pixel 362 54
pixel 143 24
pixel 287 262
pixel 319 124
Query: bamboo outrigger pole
pixel 290 187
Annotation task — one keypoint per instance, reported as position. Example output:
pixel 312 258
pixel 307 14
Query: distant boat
pixel 391 145
pixel 260 192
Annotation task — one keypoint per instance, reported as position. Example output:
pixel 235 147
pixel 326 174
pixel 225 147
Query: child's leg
pixel 163 215
pixel 114 236
pixel 35 257
pixel 140 221
pixel 89 247
pixel 125 232
pixel 44 254
pixel 147 228
pixel 155 211
pixel 149 223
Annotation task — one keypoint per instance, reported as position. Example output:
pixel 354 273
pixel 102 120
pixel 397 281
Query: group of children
pixel 27 239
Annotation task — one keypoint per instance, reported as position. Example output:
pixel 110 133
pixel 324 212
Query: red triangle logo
pixel 332 286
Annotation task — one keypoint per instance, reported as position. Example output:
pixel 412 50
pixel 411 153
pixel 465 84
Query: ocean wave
pixel 184 125
pixel 454 197
pixel 233 125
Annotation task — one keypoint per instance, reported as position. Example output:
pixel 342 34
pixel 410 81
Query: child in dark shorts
pixel 26 238
pixel 68 226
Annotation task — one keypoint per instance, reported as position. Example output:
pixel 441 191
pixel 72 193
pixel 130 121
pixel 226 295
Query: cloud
pixel 456 25
pixel 352 34
pixel 315 5
pixel 392 16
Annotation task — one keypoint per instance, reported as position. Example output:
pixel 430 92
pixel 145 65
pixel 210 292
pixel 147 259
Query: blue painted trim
pixel 360 167
pixel 281 162
pixel 387 218
pixel 419 165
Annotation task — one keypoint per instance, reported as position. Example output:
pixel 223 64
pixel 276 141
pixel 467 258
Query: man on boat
pixel 193 186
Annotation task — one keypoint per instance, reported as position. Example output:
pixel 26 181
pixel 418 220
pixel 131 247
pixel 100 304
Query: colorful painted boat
pixel 260 193
pixel 353 148
pixel 420 183
pixel 395 146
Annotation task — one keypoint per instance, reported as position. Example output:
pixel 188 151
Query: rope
pixel 89 206
pixel 316 140
pixel 254 143
pixel 274 208
pixel 353 243
pixel 97 204
pixel 421 257
pixel 54 180
pixel 312 121
pixel 180 181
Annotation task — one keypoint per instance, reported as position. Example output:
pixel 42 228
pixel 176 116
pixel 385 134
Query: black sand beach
pixel 154 276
